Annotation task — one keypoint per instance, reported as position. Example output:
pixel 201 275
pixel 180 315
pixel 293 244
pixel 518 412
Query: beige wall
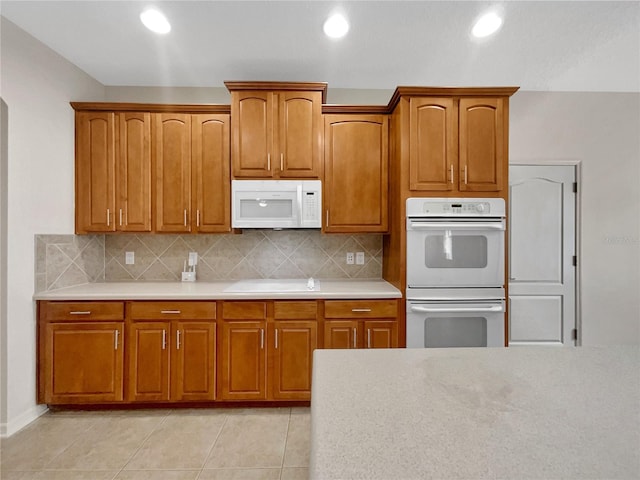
pixel 37 86
pixel 601 130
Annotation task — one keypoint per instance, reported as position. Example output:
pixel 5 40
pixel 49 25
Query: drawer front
pixel 244 310
pixel 361 309
pixel 81 311
pixel 295 310
pixel 172 310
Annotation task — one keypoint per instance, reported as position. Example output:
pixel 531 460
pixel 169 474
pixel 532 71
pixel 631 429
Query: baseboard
pixel 17 424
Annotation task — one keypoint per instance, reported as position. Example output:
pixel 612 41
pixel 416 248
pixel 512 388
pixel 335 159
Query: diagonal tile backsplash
pixel 252 254
pixel 66 260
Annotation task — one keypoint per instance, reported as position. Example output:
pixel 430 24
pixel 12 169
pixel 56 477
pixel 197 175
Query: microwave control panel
pixel 310 207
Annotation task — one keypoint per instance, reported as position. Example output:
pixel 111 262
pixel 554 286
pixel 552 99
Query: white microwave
pixel 276 203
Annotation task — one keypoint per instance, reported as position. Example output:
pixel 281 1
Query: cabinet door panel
pixel 294 343
pixel 252 133
pixel 83 362
pixel 482 144
pixel 95 175
pixel 243 361
pixel 149 361
pixel 341 334
pixel 383 334
pixel 172 171
pixel 300 129
pixel 193 367
pixel 356 162
pixel 432 144
pixel 211 164
pixel 134 172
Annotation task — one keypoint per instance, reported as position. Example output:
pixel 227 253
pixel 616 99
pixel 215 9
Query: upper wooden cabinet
pixel 185 154
pixel 457 139
pixel 456 144
pixel 276 129
pixel 356 173
pixel 191 172
pixel 113 172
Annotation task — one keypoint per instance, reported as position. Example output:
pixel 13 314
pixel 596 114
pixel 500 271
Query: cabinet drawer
pixel 244 310
pixel 172 310
pixel 81 311
pixel 360 309
pixel 295 310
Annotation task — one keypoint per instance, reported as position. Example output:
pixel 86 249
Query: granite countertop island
pixel 498 413
pixel 227 290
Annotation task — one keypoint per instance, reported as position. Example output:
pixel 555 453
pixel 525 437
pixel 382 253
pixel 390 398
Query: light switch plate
pixel 359 258
pixel 193 258
pixel 129 258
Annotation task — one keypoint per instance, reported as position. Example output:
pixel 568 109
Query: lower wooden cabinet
pixel 171 360
pixel 152 351
pixel 265 359
pixel 80 353
pixel 360 324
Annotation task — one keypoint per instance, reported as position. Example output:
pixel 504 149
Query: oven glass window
pixel 442 332
pixel 267 208
pixel 455 251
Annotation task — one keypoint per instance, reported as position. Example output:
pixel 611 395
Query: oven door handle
pixel 457 225
pixel 496 308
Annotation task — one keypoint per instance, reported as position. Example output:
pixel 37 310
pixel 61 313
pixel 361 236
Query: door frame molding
pixel 577 164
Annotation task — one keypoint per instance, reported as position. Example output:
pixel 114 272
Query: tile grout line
pixel 204 463
pixel 286 439
pixel 141 444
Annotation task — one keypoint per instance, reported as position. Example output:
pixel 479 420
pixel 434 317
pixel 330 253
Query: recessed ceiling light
pixel 155 21
pixel 486 25
pixel 336 26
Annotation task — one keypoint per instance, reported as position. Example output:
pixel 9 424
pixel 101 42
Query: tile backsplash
pixel 65 260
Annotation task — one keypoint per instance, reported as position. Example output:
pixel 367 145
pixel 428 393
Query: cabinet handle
pixel 268 161
pixel 198 218
pixel 164 339
pixel 281 162
pixel 368 338
pixel 261 338
pixel 451 172
pixel 108 218
pixel 170 311
pixel 83 312
pixel 465 174
pixel 120 217
pixel 185 217
pixel 355 338
pixel 359 310
pixel 115 340
pixel 327 218
pixel 178 340
pixel 276 338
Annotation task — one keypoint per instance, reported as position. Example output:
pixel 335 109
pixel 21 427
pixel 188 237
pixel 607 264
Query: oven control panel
pixel 449 207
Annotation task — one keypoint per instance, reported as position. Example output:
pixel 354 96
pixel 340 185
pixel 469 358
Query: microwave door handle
pixel 457 225
pixel 299 194
pixel 497 309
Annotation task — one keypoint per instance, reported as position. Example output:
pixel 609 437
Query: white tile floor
pixel 194 444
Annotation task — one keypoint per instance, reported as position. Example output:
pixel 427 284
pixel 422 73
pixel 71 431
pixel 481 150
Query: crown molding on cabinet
pixel 151 107
pixel 273 86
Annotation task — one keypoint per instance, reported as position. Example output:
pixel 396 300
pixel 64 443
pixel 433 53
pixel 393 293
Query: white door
pixel 542 246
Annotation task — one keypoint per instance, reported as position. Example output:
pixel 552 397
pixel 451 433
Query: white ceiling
pixel 543 45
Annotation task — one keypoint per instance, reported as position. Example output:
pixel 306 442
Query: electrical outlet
pixel 349 258
pixel 359 258
pixel 193 258
pixel 129 258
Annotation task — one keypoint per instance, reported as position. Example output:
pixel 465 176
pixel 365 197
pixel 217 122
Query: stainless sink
pixel 274 285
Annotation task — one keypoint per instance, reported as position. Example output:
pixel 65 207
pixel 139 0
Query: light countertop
pixel 519 412
pixel 229 290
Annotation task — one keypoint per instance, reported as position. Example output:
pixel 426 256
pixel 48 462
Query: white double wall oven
pixel 455 272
